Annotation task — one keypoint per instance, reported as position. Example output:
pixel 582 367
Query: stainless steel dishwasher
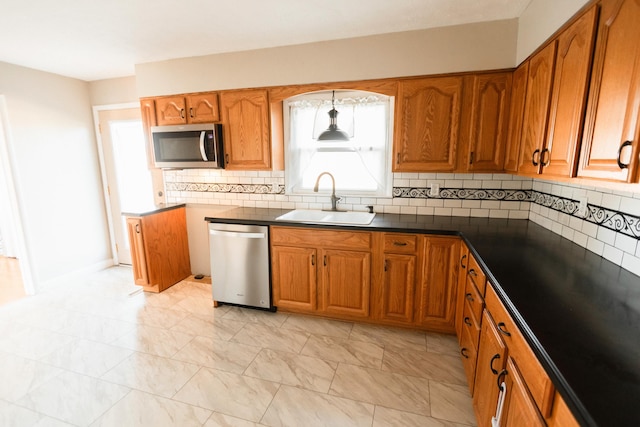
pixel 240 264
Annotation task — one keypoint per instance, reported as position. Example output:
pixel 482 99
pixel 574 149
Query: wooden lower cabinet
pixel 398 288
pixel 159 248
pixel 345 284
pixel 294 270
pixel 519 408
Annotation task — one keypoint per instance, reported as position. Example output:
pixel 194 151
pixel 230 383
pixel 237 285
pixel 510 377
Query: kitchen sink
pixel 327 217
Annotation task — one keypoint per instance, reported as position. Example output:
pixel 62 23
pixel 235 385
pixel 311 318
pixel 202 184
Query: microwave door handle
pixel 203 152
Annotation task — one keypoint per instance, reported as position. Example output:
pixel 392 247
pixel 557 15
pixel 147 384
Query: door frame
pixel 103 169
pixel 15 208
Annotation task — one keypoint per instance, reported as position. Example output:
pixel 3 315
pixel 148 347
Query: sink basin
pixel 327 217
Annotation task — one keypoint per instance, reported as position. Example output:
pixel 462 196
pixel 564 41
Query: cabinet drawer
pixel 473 298
pixel 475 274
pixel 400 243
pixel 534 375
pixel 471 324
pixel 291 236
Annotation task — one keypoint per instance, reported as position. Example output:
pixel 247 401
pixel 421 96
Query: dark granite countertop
pixel 152 209
pixel 579 312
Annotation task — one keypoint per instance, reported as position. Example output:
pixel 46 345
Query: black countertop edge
pixel 467 229
pixel 150 210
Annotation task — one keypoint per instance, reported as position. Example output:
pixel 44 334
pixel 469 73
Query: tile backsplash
pixel 609 224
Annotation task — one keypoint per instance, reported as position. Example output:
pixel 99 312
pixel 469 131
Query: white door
pixel 128 177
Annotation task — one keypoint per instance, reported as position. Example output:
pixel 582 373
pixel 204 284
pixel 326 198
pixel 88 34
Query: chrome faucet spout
pixel 334 198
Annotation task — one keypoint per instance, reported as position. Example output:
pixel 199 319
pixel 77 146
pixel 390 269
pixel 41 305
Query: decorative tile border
pixel 620 222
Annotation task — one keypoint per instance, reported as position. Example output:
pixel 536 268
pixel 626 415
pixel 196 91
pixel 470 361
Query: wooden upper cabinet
pixel 427 124
pixel 489 121
pixel 536 109
pixel 148 115
pixel 610 144
pixel 245 116
pixel 516 113
pixel 569 97
pixel 439 279
pixel 203 108
pixel 183 109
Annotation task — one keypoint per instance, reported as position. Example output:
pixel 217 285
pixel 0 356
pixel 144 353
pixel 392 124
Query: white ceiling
pixel 97 39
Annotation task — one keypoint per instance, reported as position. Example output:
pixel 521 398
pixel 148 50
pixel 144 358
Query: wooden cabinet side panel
pixel 245 115
pixel 437 296
pixel 166 247
pixel 489 122
pixel 427 124
pixel 346 278
pixel 516 113
pixel 171 110
pixel 138 258
pixel 568 102
pixel 536 108
pixel 294 278
pixel 148 115
pixel 203 108
pixel 614 94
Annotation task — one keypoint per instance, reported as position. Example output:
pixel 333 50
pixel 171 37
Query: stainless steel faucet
pixel 334 198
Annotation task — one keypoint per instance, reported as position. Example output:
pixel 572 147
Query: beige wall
pixel 482 46
pixel 540 20
pixel 55 165
pixel 113 91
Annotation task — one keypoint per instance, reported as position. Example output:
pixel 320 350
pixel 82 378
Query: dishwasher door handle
pixel 238 234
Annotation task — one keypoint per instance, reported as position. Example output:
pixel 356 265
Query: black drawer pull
pixel 399 243
pixel 495 356
pixel 503 329
pixel 467 321
pixel 620 164
pixel 463 353
pixel 462 261
pixel 501 376
pixel 473 273
pixel 469 297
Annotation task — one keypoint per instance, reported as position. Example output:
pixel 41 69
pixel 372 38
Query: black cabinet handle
pixel 495 357
pixel 533 157
pixel 462 261
pixel 399 243
pixel 469 297
pixel 137 228
pixel 463 353
pixel 542 157
pixel 620 164
pixel 182 113
pixel 467 321
pixel 325 261
pixel 473 273
pixel 503 329
pixel 313 260
pixel 191 112
pixel 501 376
pixel 385 265
pixel 226 159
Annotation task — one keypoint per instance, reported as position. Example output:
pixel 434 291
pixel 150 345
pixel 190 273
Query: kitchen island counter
pixel 579 312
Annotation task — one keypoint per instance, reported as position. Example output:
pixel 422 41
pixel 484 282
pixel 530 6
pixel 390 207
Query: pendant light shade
pixel 333 133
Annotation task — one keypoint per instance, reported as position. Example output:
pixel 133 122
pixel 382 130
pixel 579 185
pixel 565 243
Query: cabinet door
pixel 491 361
pixel 571 78
pixel 519 407
pixel 294 278
pixel 536 108
pixel 516 113
pixel 489 121
pixel 437 294
pixel 427 124
pixel 148 114
pixel 171 110
pixel 611 124
pixel 245 115
pixel 346 277
pixel 138 257
pixel 203 108
pixel 398 287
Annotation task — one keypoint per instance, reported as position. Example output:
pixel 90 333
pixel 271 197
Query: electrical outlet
pixel 274 187
pixel 434 190
pixel 582 206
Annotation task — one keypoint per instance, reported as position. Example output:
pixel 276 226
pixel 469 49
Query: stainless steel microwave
pixel 188 146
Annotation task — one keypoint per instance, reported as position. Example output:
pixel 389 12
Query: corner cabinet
pixel 159 248
pixel 611 142
pixel 427 124
pixel 245 117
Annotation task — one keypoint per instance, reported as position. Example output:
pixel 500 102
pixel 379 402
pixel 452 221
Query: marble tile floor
pixel 101 353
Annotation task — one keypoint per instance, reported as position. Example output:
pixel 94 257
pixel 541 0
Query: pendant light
pixel 333 133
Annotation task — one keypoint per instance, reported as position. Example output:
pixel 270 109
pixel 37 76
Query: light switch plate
pixel 582 206
pixel 434 190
